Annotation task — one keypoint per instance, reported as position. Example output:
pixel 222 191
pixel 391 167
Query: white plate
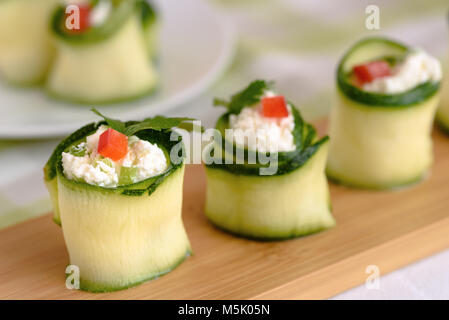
pixel 197 44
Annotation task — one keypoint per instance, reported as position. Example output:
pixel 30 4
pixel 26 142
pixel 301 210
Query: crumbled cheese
pixel 92 168
pixel 89 170
pixel 418 67
pixel 148 158
pixel 256 132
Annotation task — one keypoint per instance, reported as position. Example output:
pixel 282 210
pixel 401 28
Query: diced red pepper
pixel 113 144
pixel 274 107
pixel 84 13
pixel 367 72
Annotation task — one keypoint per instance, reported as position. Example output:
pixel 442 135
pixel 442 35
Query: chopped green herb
pixel 128 175
pixel 107 162
pixel 247 97
pixel 78 151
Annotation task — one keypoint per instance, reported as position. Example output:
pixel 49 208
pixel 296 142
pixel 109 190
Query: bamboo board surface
pixel 387 229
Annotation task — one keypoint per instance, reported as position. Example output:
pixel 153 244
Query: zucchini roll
pixel 107 57
pixel 118 195
pixel 26 50
pixel 265 178
pixel 443 110
pixel 381 120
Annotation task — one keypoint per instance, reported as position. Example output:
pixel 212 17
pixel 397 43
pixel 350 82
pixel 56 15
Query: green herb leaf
pixel 157 123
pixel 113 123
pixel 247 97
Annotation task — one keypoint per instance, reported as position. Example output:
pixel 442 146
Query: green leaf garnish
pixel 158 123
pixel 112 123
pixel 247 97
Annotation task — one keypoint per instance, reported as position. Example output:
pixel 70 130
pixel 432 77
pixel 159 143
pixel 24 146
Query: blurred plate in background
pixel 196 45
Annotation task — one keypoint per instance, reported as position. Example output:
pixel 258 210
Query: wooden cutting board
pixel 387 229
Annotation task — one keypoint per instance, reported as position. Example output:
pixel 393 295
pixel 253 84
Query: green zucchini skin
pixel 443 110
pixel 408 98
pixel 120 237
pixel 244 203
pixel 380 142
pixel 443 117
pixel 50 168
pixel 93 287
pixel 77 100
pixel 444 126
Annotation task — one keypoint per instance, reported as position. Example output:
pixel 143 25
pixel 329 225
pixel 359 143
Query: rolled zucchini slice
pixel 107 63
pixel 26 50
pixel 380 141
pixel 443 110
pixel 289 202
pixel 151 27
pixel 120 236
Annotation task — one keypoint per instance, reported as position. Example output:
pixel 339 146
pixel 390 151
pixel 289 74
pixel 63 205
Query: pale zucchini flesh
pixel 119 241
pixel 380 147
pixel 114 69
pixel 52 187
pixel 26 50
pixel 271 207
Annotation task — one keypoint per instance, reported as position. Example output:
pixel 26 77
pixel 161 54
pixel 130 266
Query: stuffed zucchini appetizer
pixel 106 55
pixel 265 178
pixel 117 195
pixel 381 121
pixel 26 50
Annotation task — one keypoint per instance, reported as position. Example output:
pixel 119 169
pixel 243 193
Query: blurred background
pixel 296 43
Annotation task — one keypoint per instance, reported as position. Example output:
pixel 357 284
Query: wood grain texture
pixel 387 229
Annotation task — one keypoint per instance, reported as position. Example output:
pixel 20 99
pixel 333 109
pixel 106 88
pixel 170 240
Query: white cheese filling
pixel 100 13
pixel 85 164
pixel 254 131
pixel 418 67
